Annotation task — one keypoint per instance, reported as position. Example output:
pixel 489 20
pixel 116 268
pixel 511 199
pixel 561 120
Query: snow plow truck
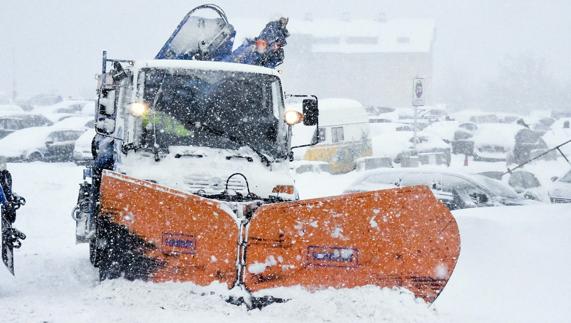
pixel 191 182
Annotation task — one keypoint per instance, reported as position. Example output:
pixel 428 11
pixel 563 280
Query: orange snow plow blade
pixel 399 237
pixel 189 237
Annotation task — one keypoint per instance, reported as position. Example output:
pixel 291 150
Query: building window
pixel 322 134
pixel 337 134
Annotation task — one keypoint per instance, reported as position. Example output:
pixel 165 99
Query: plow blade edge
pixel 184 236
pixel 391 238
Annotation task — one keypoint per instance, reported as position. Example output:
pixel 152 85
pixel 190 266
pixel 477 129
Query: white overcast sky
pixel 55 45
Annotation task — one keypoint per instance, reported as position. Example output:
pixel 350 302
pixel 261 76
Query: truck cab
pixel 202 127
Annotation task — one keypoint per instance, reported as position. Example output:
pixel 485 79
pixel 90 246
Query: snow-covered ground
pixel 514 267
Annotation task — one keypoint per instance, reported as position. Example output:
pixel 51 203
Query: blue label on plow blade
pixel 332 256
pixel 178 243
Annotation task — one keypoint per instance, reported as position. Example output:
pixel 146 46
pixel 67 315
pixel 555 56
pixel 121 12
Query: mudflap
pixel 390 238
pixel 156 233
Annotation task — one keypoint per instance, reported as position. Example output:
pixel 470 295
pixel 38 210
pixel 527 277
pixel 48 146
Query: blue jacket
pixel 3 200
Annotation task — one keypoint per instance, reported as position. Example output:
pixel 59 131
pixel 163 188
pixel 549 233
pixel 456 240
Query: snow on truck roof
pixel 204 65
pixel 341 111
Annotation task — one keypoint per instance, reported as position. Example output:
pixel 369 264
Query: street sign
pixel 418 92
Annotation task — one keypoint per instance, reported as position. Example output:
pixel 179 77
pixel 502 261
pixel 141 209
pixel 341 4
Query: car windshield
pixel 566 178
pixel 217 109
pixel 496 187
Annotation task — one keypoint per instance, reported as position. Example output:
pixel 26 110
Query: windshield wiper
pixel 233 139
pixel 188 155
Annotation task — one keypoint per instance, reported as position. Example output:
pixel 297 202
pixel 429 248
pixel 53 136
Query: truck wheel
pixel 106 254
pixel 94 254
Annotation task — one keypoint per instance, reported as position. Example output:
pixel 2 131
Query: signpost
pixel 417 101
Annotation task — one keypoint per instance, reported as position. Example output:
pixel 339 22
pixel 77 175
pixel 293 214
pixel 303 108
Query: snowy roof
pixel 338 111
pixel 354 36
pixel 204 65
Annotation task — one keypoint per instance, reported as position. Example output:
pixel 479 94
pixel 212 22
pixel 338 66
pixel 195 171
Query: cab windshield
pixel 216 109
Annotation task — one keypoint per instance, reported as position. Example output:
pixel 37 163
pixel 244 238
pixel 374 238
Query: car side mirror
pixel 49 143
pixel 554 178
pixel 310 112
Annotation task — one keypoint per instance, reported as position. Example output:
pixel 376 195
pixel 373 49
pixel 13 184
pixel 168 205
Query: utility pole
pixel 417 101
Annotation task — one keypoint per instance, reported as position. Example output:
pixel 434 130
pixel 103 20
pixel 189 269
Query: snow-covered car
pixel 61 110
pixel 40 143
pixel 456 190
pixel 45 99
pixel 560 191
pixel 523 182
pixel 9 109
pixel 429 149
pixel 443 129
pixel 82 153
pixel 528 144
pixel 494 141
pixel 433 114
pixel 396 141
pixel 559 133
pixel 76 122
pixel 463 142
pixel 11 123
pixel 309 166
pixel 372 162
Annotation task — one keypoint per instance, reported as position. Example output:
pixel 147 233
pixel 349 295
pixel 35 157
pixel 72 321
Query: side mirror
pixel 554 178
pixel 49 143
pixel 310 112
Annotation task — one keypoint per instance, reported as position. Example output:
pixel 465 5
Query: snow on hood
pixel 442 129
pixel 497 134
pixel 18 142
pixel 24 140
pixel 209 173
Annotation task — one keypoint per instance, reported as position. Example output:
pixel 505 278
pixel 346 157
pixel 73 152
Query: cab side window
pixel 337 134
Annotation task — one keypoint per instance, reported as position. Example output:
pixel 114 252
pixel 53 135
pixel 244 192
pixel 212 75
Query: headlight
pixel 293 117
pixel 138 109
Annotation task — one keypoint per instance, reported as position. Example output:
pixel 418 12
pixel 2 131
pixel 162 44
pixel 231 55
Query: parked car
pixel 9 109
pixel 443 129
pixel 396 141
pixel 76 122
pixel 456 190
pixel 559 133
pixel 560 191
pixel 368 163
pixel 494 141
pixel 82 153
pixel 309 166
pixel 11 123
pixel 528 144
pixel 523 182
pixel 430 150
pixel 463 142
pixel 40 143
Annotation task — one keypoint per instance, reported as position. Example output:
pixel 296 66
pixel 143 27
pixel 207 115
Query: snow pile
pixel 513 267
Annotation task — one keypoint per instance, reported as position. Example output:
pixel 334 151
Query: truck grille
pixel 197 183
